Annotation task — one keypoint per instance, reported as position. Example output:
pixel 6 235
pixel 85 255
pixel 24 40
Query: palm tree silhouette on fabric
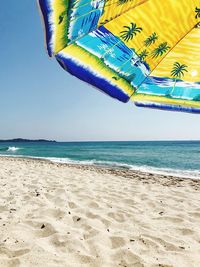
pixel 178 72
pixel 160 50
pixel 130 32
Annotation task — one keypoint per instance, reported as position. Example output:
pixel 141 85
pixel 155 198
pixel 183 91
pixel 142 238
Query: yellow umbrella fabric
pixel 144 50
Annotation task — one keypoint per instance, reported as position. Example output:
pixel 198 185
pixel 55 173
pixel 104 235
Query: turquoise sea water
pixel 181 158
pixel 165 87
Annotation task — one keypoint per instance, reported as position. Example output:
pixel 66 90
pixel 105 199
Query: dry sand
pixel 62 215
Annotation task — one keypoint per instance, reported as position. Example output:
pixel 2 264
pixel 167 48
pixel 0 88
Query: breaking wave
pixel 117 165
pixel 10 149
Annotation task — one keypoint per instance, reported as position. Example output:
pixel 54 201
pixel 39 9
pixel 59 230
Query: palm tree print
pixel 197 10
pixel 178 71
pixel 143 55
pixel 151 39
pixel 130 32
pixel 160 50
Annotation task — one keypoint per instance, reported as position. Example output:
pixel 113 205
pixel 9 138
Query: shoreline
pixel 176 173
pixel 163 179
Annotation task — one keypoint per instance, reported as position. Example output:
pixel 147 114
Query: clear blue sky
pixel 40 100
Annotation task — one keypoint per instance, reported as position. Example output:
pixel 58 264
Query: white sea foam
pixel 193 174
pixel 13 148
pixel 117 165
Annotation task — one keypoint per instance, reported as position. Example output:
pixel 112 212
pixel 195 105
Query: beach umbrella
pixel 144 50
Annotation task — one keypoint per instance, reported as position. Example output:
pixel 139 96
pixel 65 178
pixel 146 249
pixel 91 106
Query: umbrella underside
pixel 144 50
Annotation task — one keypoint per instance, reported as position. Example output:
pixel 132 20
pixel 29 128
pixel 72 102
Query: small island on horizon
pixel 15 140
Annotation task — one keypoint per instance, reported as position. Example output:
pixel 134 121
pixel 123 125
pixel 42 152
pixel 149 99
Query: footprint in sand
pixel 186 231
pixel 117 242
pixel 159 242
pixel 41 229
pixel 93 205
pixel 72 205
pixel 171 219
pixel 3 208
pixel 49 196
pixel 10 262
pixel 89 232
pixel 46 231
pixel 13 253
pixel 54 213
pixel 84 259
pixel 196 215
pixel 128 258
pixel 129 201
pixel 119 217
pixel 91 215
pixel 59 241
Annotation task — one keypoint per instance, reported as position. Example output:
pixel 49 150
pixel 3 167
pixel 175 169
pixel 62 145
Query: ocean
pixel 178 158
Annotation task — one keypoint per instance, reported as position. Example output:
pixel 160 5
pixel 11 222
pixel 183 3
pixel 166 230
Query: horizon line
pixel 90 141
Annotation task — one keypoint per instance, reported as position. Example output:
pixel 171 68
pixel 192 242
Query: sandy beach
pixel 63 215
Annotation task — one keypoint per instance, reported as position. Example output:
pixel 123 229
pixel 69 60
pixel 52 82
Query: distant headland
pixel 18 140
